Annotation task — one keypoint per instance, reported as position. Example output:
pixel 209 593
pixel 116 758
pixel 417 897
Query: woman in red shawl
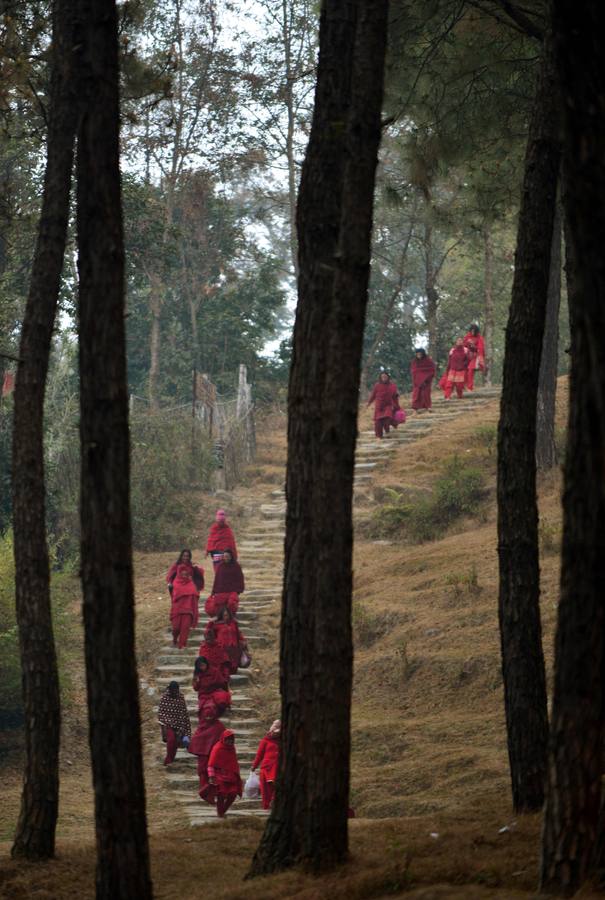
pixel 475 345
pixel 385 398
pixel 457 364
pixel 174 720
pixel 267 757
pixel 197 573
pixel 228 585
pixel 230 638
pixel 223 772
pixel 207 733
pixel 220 538
pixel 184 611
pixel 423 372
pixel 206 680
pixel 210 649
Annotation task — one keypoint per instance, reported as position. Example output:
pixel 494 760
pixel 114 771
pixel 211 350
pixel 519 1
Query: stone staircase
pixel 260 550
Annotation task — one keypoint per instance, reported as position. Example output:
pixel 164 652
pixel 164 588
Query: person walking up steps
pixel 385 398
pixel 220 538
pixel 174 720
pixel 423 371
pixel 267 757
pixel 223 773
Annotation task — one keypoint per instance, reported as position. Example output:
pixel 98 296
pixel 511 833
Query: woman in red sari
pixel 455 376
pixel 204 738
pixel 385 398
pixel 185 559
pixel 184 611
pixel 206 680
pixel 228 581
pixel 220 538
pixel 210 649
pixel 230 638
pixel 475 345
pixel 423 372
pixel 267 757
pixel 223 772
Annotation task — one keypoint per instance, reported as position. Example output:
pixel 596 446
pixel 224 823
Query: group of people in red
pixel 465 358
pixel 223 650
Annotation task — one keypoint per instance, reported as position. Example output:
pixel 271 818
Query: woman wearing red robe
pixel 230 638
pixel 210 649
pixel 423 371
pixel 197 573
pixel 267 757
pixel 184 610
pixel 385 398
pixel 206 680
pixel 228 585
pixel 475 345
pixel 220 538
pixel 204 738
pixel 457 364
pixel 223 772
pixel 173 717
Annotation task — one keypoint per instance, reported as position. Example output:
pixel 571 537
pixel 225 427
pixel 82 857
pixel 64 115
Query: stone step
pixel 164 680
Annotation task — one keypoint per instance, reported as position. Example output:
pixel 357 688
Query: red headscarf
pixel 183 585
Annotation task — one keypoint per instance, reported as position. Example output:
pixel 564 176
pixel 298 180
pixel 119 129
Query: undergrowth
pixel 457 492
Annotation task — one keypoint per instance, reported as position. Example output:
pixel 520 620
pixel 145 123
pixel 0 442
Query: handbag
pixel 244 660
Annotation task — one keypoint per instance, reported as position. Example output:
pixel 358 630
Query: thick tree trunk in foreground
pixel 546 451
pixel 574 791
pixel 35 835
pixel 308 823
pixel 519 595
pixel 488 301
pixel 107 581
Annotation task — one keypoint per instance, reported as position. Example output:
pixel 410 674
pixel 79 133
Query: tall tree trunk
pixel 432 297
pixel 107 579
pixel 574 791
pixel 308 822
pixel 291 127
pixel 488 299
pixel 155 304
pixel 519 595
pixel 546 451
pixel 35 835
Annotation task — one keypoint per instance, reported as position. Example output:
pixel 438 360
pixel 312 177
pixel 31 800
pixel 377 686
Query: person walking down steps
pixel 385 398
pixel 220 538
pixel 196 572
pixel 423 371
pixel 267 757
pixel 455 375
pixel 223 773
pixel 184 608
pixel 174 721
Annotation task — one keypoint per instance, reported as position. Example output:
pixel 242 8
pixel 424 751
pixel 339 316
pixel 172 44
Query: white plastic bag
pixel 252 787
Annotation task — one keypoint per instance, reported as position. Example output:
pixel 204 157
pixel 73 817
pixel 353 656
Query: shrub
pixel 419 518
pixel 10 683
pixel 487 436
pixel 549 537
pixel 369 627
pixel 464 584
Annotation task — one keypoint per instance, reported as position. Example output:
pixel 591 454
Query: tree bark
pixel 35 834
pixel 488 295
pixel 432 297
pixel 546 451
pixel 574 790
pixel 308 823
pixel 519 588
pixel 155 305
pixel 107 579
pixel 291 126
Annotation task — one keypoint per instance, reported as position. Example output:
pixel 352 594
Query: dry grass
pixel 428 727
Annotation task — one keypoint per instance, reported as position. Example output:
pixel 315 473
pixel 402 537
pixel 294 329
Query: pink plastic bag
pixel 399 416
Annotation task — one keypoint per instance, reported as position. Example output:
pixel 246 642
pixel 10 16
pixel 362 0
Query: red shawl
pixel 204 683
pixel 458 359
pixel 196 573
pixel 384 397
pixel 184 597
pixel 215 603
pixel 267 756
pixel 423 370
pixel 220 537
pixel 229 579
pixel 223 765
pixel 228 635
pixel 213 653
pixel 476 347
pixel 208 731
